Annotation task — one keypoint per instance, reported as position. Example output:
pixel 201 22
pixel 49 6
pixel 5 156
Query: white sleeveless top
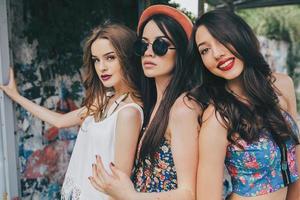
pixel 93 138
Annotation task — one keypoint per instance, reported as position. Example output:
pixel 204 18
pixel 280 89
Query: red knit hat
pixel 177 15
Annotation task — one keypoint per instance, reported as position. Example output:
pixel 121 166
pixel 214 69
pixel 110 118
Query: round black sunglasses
pixel 159 47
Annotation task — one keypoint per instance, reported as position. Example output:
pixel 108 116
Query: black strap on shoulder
pixel 285 171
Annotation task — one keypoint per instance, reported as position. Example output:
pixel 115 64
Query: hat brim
pixel 177 15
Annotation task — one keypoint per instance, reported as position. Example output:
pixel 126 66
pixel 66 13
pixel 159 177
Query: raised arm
pixel 56 119
pixel 212 150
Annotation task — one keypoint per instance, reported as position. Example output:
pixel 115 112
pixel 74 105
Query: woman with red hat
pixel 167 156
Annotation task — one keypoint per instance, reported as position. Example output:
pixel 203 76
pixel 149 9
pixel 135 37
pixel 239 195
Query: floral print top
pixel 160 174
pixel 157 176
pixel 256 170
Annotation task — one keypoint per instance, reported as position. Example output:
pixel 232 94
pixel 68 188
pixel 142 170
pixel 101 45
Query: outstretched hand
pixel 11 88
pixel 117 185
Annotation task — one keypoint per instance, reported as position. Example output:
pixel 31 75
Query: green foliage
pixel 279 23
pixel 174 5
pixel 185 11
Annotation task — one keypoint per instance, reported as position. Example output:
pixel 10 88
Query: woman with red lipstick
pixel 248 120
pixel 167 156
pixel 111 117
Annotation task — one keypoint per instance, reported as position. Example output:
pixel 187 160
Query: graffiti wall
pixel 44 151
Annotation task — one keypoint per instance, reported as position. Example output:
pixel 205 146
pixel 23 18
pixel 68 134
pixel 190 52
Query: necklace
pixel 114 106
pixel 84 126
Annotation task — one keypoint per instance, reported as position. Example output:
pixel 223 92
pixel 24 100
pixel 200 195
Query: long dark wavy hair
pixel 264 111
pixel 122 39
pixel 177 85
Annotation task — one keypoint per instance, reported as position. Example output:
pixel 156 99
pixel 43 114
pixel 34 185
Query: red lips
pixel 105 77
pixel 226 64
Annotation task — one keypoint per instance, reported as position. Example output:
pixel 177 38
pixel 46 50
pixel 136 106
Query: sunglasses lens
pixel 160 47
pixel 140 47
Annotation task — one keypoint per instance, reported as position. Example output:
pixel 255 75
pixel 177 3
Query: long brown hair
pixel 122 39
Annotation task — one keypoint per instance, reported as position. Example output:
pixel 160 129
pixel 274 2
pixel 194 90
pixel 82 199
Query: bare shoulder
pixel 211 117
pixel 127 128
pixel 212 120
pixel 129 113
pixel 184 107
pixel 213 130
pixel 285 85
pixel 183 117
pixel 283 81
pixel 287 95
pixel 132 98
pixel 209 113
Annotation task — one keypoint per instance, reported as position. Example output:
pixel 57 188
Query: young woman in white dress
pixel 111 117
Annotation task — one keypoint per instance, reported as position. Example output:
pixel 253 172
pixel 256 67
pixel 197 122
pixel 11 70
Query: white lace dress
pixel 93 138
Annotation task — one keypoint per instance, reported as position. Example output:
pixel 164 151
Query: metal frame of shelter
pixel 9 183
pixel 244 4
